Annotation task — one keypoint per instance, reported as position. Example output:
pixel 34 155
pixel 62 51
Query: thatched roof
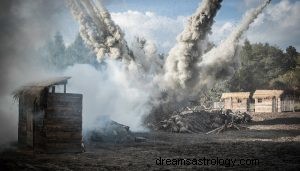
pixel 267 93
pixel 235 95
pixel 36 88
pixel 51 82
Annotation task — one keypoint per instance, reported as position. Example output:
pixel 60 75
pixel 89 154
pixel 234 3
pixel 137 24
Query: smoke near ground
pixel 110 94
pixel 25 25
pixel 126 90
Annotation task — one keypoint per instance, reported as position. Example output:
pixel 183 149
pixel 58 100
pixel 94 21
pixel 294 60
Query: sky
pixel 160 21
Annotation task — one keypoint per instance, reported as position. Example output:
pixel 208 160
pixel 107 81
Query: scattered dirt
pixel 273 139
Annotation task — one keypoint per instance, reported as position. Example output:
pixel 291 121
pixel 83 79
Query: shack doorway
pixel 274 105
pixel 29 129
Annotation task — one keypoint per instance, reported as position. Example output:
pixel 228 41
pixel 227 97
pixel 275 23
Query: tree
pixel 59 50
pixel 288 80
pixel 57 56
pixel 77 52
pixel 260 65
pixel 291 58
pixel 81 54
pixel 54 52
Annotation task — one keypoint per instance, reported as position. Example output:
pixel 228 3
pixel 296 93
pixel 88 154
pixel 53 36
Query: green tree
pixel 291 55
pixel 289 80
pixel 57 56
pixel 259 65
pixel 59 51
pixel 77 52
pixel 54 52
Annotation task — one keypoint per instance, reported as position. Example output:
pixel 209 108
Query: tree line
pixel 57 56
pixel 261 66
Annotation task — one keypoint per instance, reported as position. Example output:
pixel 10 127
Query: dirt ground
pixel 272 139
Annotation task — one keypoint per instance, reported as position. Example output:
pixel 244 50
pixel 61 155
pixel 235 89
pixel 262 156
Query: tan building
pixel 236 101
pixel 273 101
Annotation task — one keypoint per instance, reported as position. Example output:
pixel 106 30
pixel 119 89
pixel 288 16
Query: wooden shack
pixel 273 101
pixel 49 121
pixel 236 101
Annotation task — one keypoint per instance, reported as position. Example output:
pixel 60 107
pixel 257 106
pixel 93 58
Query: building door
pixel 29 129
pixel 274 105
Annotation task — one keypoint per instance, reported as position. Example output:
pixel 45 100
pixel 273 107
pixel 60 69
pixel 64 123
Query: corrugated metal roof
pixel 235 95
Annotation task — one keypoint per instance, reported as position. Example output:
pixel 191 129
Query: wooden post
pixel 294 97
pixel 53 89
pixel 65 88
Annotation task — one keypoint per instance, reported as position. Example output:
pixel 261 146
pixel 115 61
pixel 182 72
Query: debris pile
pixel 111 132
pixel 202 121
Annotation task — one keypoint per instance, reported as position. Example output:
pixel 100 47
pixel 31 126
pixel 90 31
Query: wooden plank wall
pixel 264 106
pixel 63 123
pixel 26 116
pixel 39 131
pixel 287 105
pixel 232 104
pixel 22 131
pixel 228 103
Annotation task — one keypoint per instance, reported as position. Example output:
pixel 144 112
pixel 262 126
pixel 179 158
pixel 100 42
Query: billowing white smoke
pixel 220 62
pixel 180 63
pixel 128 95
pixel 147 57
pixel 110 93
pixel 99 31
pixel 106 38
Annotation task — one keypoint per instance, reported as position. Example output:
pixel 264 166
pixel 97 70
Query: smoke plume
pixel 124 95
pixel 180 63
pixel 99 31
pixel 147 57
pixel 187 70
pixel 221 61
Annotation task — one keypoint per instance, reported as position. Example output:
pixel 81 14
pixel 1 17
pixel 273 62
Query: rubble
pixel 192 121
pixel 225 127
pixel 111 132
pixel 140 139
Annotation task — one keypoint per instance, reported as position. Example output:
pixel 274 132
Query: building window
pixel 259 100
pixel 239 100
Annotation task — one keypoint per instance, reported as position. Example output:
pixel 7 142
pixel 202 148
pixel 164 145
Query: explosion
pixel 180 64
pixel 188 68
pixel 99 31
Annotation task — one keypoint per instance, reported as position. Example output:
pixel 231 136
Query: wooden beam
pixel 65 88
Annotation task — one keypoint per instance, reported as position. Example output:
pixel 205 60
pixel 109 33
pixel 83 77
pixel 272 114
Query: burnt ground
pixel 273 139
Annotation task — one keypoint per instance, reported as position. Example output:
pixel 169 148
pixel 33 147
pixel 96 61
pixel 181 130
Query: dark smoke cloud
pixel 25 25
